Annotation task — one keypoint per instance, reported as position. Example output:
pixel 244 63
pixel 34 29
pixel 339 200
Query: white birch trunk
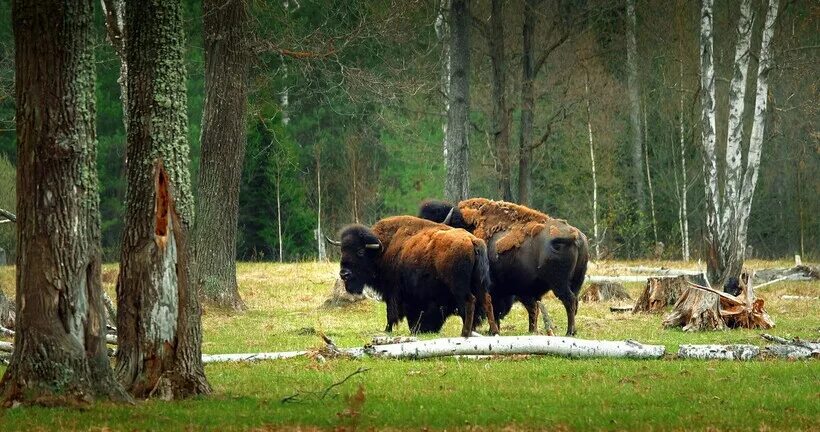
pixel 684 217
pixel 279 216
pixel 594 175
pixel 718 352
pixel 222 358
pixel 649 175
pixel 710 176
pixel 320 240
pixel 443 36
pixel 759 125
pixel 734 140
pixel 284 97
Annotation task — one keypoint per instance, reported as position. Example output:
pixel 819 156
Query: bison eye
pixel 360 252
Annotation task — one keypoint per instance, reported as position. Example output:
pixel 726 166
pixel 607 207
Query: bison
pixel 424 271
pixel 530 253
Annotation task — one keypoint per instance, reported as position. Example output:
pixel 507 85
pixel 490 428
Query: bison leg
pixel 531 305
pixel 467 319
pixel 488 310
pixel 393 316
pixel 570 302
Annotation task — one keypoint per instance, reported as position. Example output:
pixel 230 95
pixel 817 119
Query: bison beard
pixel 530 253
pixel 424 271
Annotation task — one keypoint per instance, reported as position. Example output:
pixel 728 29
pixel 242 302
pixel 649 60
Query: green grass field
pixel 521 393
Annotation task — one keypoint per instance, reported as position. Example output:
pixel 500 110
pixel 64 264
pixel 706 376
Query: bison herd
pixel 473 259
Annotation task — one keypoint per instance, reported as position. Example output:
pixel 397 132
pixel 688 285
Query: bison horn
pixel 446 220
pixel 333 242
pixel 373 246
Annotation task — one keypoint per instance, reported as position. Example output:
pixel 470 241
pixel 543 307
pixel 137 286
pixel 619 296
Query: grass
pixel 285 313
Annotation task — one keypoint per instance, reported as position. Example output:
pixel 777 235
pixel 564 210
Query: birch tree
pixel 457 182
pixel 158 322
pixel 727 215
pixel 594 174
pixel 59 355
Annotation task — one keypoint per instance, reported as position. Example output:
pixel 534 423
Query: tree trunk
pixel 604 291
pixel 635 105
pixel 60 355
pixel 7 313
pixel 114 11
pixel 320 240
pixel 659 293
pixel 594 175
pixel 457 183
pixel 527 104
pixel 695 310
pixel 649 177
pixel 710 180
pixel 734 137
pixel 442 28
pixel 223 150
pixel 758 127
pixel 501 116
pixel 684 214
pixel 279 214
pixel 159 313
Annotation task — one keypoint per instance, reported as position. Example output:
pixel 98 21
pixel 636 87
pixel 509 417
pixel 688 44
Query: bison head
pixel 442 212
pixel 360 249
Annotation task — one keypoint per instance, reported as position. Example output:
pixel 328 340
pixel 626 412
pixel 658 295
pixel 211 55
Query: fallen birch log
pixel 223 358
pixel 622 279
pixel 797 297
pixel 511 345
pixel 718 352
pixel 387 340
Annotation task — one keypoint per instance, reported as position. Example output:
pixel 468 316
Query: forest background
pixel 347 108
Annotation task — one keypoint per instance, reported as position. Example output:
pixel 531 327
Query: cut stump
pixel 695 310
pixel 659 293
pixel 339 297
pixel 6 312
pixel 604 291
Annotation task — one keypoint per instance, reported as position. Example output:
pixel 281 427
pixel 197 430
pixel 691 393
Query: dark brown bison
pixel 424 271
pixel 530 253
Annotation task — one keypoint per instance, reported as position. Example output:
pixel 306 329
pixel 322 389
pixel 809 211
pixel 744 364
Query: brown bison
pixel 424 271
pixel 530 253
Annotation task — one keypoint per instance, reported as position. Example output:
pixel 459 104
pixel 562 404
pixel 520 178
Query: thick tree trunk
pixel 60 355
pixel 223 150
pixel 527 104
pixel 695 310
pixel 159 313
pixel 659 293
pixel 457 159
pixel 594 175
pixel 501 116
pixel 633 87
pixel 710 179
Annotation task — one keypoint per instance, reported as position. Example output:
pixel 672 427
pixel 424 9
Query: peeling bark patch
pixel 162 205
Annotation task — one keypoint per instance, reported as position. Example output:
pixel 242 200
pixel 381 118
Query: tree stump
pixel 695 310
pixel 6 312
pixel 339 297
pixel 659 293
pixel 603 291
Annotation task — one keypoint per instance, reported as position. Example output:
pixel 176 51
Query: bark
pixel 442 27
pixel 279 215
pixel 457 182
pixel 59 354
pixel 633 87
pixel 7 311
pixel 718 352
pixel 594 174
pixel 684 213
pixel 223 150
pixel 695 310
pixel 710 179
pixel 758 127
pixel 527 104
pixel 604 291
pixel 339 297
pixel 734 140
pixel 159 312
pixel 320 239
pixel 501 115
pixel 659 293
